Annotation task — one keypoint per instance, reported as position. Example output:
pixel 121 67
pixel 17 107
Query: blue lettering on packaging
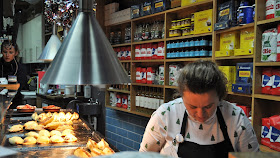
pixel 276 81
pixel 274 133
pixel 265 131
pixel 265 80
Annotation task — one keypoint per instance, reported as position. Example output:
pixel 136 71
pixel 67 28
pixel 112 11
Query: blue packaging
pixel 244 88
pixel 191 43
pixel 191 53
pixel 182 44
pixel 187 44
pixel 203 53
pixel 210 43
pixel 182 54
pixel 135 11
pixel 196 43
pixel 168 45
pixel 245 15
pixel 187 54
pixel 196 53
pixel 147 8
pixel 210 53
pixel 173 45
pixel 244 73
pixel 177 54
pixel 203 42
pixel 173 54
pixel 177 45
pixel 161 5
pixel 168 55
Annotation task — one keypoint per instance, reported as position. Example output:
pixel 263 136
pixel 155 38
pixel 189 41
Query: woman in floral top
pixel 200 124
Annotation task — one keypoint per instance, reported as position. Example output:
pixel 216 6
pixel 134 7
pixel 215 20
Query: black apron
pixel 194 150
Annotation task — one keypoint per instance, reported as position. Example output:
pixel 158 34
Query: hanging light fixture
pixel 85 56
pixel 52 46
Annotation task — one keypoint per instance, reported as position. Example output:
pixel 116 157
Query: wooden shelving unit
pixel 117 90
pixel 121 45
pixel 262 105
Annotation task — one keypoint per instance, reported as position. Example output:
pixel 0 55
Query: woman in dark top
pixel 9 66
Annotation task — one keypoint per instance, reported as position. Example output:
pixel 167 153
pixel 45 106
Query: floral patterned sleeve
pixel 154 136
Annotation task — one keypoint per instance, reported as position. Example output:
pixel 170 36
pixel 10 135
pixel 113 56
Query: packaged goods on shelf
pixel 228 42
pixel 275 90
pixel 109 9
pixel 118 17
pixel 278 42
pixel 265 132
pixel 123 53
pixel 113 99
pixel 277 8
pixel 175 3
pixel 245 15
pixel 161 75
pixel 147 98
pixel 226 15
pixel 188 2
pixel 203 21
pixel 267 80
pixel 269 45
pixel 135 11
pixel 149 31
pixel 146 8
pixel 244 76
pixel 275 132
pixel 174 71
pixel 246 42
pixel 230 74
pixel 149 51
pixel 161 5
pixel 143 75
pixel 270 9
pixel 150 75
pixel 246 109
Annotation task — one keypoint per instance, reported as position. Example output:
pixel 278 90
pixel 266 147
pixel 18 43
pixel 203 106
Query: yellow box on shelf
pixel 246 51
pixel 229 87
pixel 229 40
pixel 203 21
pixel 186 2
pixel 224 53
pixel 247 38
pixel 230 73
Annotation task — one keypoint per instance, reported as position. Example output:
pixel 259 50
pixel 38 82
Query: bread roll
pixel 46 120
pixel 68 116
pixel 29 141
pixel 63 127
pixel 35 116
pixel 52 125
pixel 43 140
pixel 80 152
pixel 41 117
pixel 61 116
pixel 39 128
pixel 16 140
pixel 30 125
pixel 102 144
pixel 75 116
pixel 108 151
pixel 91 144
pixel 67 132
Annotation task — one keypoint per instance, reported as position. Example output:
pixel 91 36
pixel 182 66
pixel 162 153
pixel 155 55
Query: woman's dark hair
pixel 9 43
pixel 201 77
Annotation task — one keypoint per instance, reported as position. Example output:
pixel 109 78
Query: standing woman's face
pixel 9 53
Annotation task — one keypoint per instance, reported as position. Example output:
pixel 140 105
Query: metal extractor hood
pixel 52 46
pixel 85 56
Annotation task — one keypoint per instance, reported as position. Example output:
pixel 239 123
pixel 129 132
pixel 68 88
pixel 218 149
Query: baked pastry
pixel 108 151
pixel 39 128
pixel 56 139
pixel 41 116
pixel 16 140
pixel 70 138
pixel 44 133
pixel 102 144
pixel 29 141
pixel 47 120
pixel 91 144
pixel 43 140
pixel 96 151
pixel 55 132
pixel 49 114
pixel 55 117
pixel 67 132
pixel 16 128
pixel 35 116
pixel 63 127
pixel 68 116
pixel 61 117
pixel 81 152
pixel 75 116
pixel 30 125
pixel 32 134
pixel 67 123
pixel 52 125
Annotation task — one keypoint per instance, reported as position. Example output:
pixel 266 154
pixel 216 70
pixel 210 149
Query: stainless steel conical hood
pixel 85 56
pixel 52 47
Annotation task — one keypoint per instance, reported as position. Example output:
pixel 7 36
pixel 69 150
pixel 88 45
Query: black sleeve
pixel 22 77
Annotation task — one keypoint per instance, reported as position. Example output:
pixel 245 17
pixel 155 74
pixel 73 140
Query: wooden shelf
pixel 187 59
pixel 117 90
pixel 190 36
pixel 266 149
pixel 268 21
pixel 267 97
pixel 267 64
pixel 148 41
pixel 121 45
pixel 120 23
pixel 148 61
pixel 171 87
pixel 147 85
pixel 236 28
pixel 235 57
pixel 125 61
pixel 198 4
pixel 149 16
pixel 125 110
pixel 240 94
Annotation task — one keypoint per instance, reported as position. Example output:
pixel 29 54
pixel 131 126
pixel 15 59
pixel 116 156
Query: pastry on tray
pixel 52 125
pixel 67 131
pixel 43 140
pixel 30 125
pixel 44 133
pixel 70 138
pixel 56 139
pixel 29 141
pixel 81 152
pixel 32 134
pixel 16 140
pixel 39 128
pixel 47 120
pixel 63 127
pixel 55 132
pixel 75 116
pixel 16 128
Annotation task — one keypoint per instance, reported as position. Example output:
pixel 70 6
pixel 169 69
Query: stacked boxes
pixel 230 74
pixel 244 76
pixel 112 15
pixel 228 42
pixel 246 42
pixel 109 10
pixel 203 21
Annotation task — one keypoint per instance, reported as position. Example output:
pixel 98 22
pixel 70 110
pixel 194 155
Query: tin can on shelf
pixel 186 31
pixel 174 24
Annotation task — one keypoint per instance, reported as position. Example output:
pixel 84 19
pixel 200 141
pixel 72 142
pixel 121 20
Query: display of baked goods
pixel 29 141
pixel 32 134
pixel 94 149
pixel 16 128
pixel 51 108
pixel 56 139
pixel 16 140
pixel 70 138
pixel 43 140
pixel 26 108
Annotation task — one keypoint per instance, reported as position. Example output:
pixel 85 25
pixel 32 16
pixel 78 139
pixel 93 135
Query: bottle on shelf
pixel 137 97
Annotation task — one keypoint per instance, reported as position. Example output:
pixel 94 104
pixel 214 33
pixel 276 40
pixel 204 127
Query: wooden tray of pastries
pixel 51 108
pixel 26 108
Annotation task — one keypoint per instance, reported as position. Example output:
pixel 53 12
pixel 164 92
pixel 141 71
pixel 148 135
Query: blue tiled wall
pixel 124 130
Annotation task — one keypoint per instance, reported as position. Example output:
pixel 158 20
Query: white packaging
pixel 161 75
pixel 143 52
pixel 149 52
pixel 148 102
pixel 267 81
pixel 270 9
pixel 277 8
pixel 278 43
pixel 137 53
pixel 160 52
pixel 113 99
pixel 137 100
pixel 174 71
pixel 138 76
pixel 141 101
pixel 269 45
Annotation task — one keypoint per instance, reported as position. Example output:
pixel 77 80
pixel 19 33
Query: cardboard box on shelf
pixel 244 88
pixel 246 51
pixel 175 3
pixel 224 53
pixel 187 2
pixel 112 6
pixel 229 40
pixel 203 21
pixel 230 73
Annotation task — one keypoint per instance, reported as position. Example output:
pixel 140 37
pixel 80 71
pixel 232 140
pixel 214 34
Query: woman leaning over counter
pixel 200 123
pixel 10 67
